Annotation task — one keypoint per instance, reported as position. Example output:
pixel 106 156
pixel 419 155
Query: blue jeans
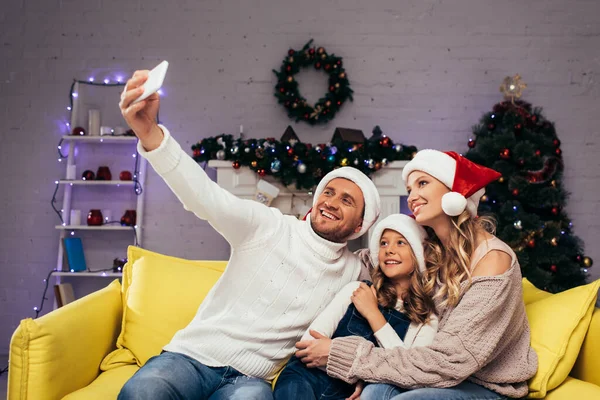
pixel 171 376
pixel 463 391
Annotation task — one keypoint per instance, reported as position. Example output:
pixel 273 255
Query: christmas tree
pixel 528 201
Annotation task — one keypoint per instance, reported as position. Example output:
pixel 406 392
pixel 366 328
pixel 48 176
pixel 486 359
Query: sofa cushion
pixel 106 386
pixel 531 293
pixel 559 324
pixel 161 295
pixel 572 389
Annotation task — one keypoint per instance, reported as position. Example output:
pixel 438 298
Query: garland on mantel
pixel 302 164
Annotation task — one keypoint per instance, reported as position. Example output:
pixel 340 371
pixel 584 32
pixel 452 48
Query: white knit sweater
pixel 280 276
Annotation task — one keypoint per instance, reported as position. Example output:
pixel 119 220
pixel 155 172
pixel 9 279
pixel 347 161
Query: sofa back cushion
pixel 161 295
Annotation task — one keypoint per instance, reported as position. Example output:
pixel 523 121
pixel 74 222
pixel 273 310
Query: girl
pixel 393 311
pixel 482 349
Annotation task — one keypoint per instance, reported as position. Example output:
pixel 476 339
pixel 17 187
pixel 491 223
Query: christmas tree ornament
pixel 554 241
pixel 558 151
pixel 125 176
pixel 484 198
pixel 555 210
pixel 221 155
pixel 531 243
pixel 471 143
pixel 235 149
pixel 578 258
pixel 253 163
pixel 538 153
pixel 588 262
pixel 275 166
pixel 518 225
pixel 501 179
pixel 344 162
pixel 356 162
pixel 398 148
pixel 515 192
pixel 553 268
pixel 491 127
pixel 301 168
pixel 505 154
pixel 247 150
pixel 259 153
pixel 384 162
pixel 261 172
pixel 88 175
pixel 235 165
pixel 512 87
pixel 556 142
pixel 553 183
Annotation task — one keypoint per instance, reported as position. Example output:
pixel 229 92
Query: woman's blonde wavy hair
pixel 418 304
pixel 449 265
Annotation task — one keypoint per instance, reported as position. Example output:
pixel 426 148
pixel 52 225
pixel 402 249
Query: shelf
pixel 82 182
pixel 94 228
pixel 87 274
pixel 100 139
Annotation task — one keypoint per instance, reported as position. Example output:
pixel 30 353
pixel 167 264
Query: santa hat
pixel 407 227
pixel 369 191
pixel 465 179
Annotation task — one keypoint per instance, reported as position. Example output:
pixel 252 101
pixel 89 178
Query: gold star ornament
pixel 512 87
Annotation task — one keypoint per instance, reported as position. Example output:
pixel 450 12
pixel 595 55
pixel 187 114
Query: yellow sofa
pixel 91 347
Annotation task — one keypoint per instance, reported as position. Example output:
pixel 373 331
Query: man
pixel 281 273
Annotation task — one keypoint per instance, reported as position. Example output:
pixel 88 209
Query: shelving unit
pixel 67 185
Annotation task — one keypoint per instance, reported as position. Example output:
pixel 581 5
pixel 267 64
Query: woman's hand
pixel 365 300
pixel 360 385
pixel 314 353
pixel 141 116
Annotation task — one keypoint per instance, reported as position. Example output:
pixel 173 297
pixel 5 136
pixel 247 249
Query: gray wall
pixel 425 71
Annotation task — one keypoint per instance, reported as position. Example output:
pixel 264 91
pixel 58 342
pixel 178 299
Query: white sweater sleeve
pixel 237 220
pixel 417 335
pixel 327 322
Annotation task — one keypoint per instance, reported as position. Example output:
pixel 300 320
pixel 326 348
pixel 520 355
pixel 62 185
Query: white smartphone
pixel 154 82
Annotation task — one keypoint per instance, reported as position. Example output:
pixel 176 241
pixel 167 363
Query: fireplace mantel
pixel 242 183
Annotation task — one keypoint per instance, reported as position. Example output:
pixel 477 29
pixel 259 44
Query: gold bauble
pixel 291 59
pixel 253 164
pixel 342 75
pixel 501 179
pixel 587 262
pixel 323 56
pixel 290 78
pixel 554 241
pixel 337 85
pixel 553 183
pixel 344 162
pixel 484 198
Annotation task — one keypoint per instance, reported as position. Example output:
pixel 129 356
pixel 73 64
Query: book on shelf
pixel 63 293
pixel 73 248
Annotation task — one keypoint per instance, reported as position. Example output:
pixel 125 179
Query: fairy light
pixel 91 79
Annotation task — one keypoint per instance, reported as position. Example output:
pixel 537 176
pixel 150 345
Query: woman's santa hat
pixel 465 179
pixel 369 191
pixel 414 234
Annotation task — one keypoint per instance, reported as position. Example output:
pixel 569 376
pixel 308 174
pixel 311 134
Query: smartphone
pixel 155 81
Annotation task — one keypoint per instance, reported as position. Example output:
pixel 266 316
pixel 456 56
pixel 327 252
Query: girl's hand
pixel 360 385
pixel 365 300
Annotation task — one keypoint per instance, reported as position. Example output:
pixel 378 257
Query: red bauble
pixel 261 172
pixel 538 153
pixel 505 154
pixel 95 218
pixel 88 175
pixel 78 131
pixel 578 258
pixel 332 88
pixel 385 142
pixel 288 68
pixel 558 152
pixel 339 103
pixel 491 127
pixel 339 62
pixel 311 51
pixel 290 151
pixel 291 52
pixel 553 268
pixel 521 162
pixel 282 90
pixel 534 118
pixel 306 116
pixel 125 176
pixel 327 67
pixel 531 243
pixel 235 165
pixel 556 142
pixel 196 153
pixel 471 143
pixel 515 192
pixel 518 127
pixel 317 65
pixel 555 210
pixel 287 104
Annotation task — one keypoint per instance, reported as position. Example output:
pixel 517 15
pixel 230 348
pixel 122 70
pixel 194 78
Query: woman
pixel 482 347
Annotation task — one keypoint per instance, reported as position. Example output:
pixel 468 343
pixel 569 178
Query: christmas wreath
pixel 288 94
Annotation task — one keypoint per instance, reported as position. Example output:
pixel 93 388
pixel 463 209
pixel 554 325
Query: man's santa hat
pixel 465 179
pixel 368 189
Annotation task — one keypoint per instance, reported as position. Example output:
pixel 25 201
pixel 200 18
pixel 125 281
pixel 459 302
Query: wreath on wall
pixel 288 94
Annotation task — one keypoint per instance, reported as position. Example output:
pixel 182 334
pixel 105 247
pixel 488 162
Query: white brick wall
pixel 424 70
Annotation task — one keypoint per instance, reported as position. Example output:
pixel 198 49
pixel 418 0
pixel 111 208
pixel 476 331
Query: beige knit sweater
pixel 485 339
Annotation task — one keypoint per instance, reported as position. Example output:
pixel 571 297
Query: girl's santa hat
pixel 465 179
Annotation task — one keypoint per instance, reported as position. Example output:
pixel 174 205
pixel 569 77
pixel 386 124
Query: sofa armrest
pixel 587 366
pixel 61 352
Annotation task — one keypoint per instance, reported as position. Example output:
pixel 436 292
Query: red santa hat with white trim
pixel 466 179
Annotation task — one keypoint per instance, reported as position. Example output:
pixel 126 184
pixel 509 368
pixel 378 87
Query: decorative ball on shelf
pixel 554 241
pixel 235 165
pixel 505 154
pixel 275 166
pixel 221 154
pixel 518 225
pixel 471 143
pixel 553 268
pixel 125 176
pixel 261 172
pixel 103 174
pixel 301 168
pixel 588 262
pixel 88 175
pixel 95 218
pixel 78 131
pixel 129 218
